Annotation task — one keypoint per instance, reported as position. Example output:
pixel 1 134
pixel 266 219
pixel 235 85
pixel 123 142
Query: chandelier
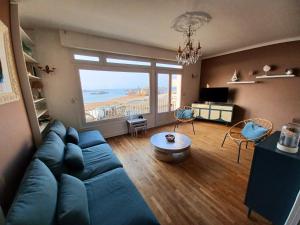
pixel 188 23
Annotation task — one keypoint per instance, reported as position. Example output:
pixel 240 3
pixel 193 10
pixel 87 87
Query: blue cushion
pixel 59 128
pixel 51 152
pixel 114 200
pixel 74 157
pixel 72 204
pixel 90 138
pixel 179 113
pixel 35 202
pixel 72 135
pixel 97 159
pixel 253 131
pixel 184 113
pixel 188 114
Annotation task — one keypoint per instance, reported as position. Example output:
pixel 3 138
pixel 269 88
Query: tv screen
pixel 214 94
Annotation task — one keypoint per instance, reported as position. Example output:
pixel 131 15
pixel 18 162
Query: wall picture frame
pixel 9 86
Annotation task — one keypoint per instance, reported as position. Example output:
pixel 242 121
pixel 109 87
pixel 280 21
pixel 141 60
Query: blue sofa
pixel 100 193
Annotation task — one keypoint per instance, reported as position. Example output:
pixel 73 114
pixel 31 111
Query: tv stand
pixel 220 112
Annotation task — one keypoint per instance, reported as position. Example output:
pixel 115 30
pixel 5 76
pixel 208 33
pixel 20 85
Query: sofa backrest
pixel 51 152
pixel 35 202
pixel 59 128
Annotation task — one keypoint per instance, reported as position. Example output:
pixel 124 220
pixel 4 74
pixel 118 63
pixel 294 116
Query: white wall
pixel 62 89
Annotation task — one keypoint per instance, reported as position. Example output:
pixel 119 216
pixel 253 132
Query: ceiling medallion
pixel 188 23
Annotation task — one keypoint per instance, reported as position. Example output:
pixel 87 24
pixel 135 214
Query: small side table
pixel 136 125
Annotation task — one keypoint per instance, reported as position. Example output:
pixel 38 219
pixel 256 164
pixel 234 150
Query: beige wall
pixel 62 87
pixel 16 144
pixel 275 99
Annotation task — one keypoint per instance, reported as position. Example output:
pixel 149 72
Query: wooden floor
pixel 207 188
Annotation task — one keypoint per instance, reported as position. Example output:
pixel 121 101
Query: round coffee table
pixel 171 151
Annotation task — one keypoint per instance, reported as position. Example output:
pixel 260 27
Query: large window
pixel 111 94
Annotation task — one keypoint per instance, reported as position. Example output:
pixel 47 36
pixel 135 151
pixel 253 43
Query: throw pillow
pixel 74 157
pixel 72 207
pixel 252 131
pixel 72 135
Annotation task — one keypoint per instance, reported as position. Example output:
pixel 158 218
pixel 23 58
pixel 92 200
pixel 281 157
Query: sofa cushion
pixel 97 159
pixel 35 202
pixel 90 138
pixel 51 152
pixel 72 204
pixel 72 135
pixel 252 131
pixel 74 157
pixel 113 199
pixel 59 128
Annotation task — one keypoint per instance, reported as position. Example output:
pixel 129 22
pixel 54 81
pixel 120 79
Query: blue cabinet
pixel 274 181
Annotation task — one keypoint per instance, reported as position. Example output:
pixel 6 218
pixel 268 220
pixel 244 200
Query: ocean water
pixel 102 95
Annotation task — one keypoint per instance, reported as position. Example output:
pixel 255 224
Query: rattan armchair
pixel 182 120
pixel 234 133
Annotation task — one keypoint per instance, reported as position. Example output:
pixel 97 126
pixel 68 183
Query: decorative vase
pixel 235 77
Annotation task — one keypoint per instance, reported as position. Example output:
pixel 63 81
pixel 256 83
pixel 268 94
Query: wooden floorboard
pixel 207 188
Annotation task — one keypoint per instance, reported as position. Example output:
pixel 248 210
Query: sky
pixel 93 80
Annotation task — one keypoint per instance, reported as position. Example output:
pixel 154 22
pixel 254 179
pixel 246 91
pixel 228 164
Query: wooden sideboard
pixel 214 111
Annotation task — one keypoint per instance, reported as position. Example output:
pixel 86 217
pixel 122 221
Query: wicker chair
pixel 234 133
pixel 181 120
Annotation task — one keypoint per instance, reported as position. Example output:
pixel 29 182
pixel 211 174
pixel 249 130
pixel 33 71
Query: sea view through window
pixel 111 94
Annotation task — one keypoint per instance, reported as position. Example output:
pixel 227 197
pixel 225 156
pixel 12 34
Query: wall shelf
pixel 31 77
pixel 39 113
pixel 25 38
pixel 242 82
pixel 43 126
pixel 28 58
pixel 274 76
pixel 39 100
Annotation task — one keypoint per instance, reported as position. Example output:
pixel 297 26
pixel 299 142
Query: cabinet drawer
pixel 222 107
pixel 202 106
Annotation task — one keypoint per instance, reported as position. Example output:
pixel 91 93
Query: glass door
pixel 168 96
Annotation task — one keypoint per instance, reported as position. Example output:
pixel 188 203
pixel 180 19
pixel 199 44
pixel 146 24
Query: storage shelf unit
pixel 274 76
pixel 26 66
pixel 213 111
pixel 242 82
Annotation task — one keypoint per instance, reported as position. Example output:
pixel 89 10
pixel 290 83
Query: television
pixel 219 94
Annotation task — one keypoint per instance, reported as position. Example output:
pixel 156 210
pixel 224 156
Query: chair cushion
pixel 97 159
pixel 72 135
pixel 184 113
pixel 90 138
pixel 113 199
pixel 59 128
pixel 35 202
pixel 72 204
pixel 74 157
pixel 253 131
pixel 51 152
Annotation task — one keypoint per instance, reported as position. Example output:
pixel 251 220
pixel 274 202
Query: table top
pixel 132 121
pixel 270 143
pixel 182 142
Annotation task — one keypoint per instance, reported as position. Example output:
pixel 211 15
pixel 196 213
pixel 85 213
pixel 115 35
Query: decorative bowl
pixel 170 138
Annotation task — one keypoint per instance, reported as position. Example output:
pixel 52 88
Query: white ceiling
pixel 235 23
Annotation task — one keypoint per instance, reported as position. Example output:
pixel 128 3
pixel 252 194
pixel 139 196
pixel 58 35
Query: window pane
pixel 176 91
pixel 165 65
pixel 86 58
pixel 107 96
pixel 163 92
pixel 128 62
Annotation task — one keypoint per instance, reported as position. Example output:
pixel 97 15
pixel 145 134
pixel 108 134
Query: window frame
pixel 152 71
